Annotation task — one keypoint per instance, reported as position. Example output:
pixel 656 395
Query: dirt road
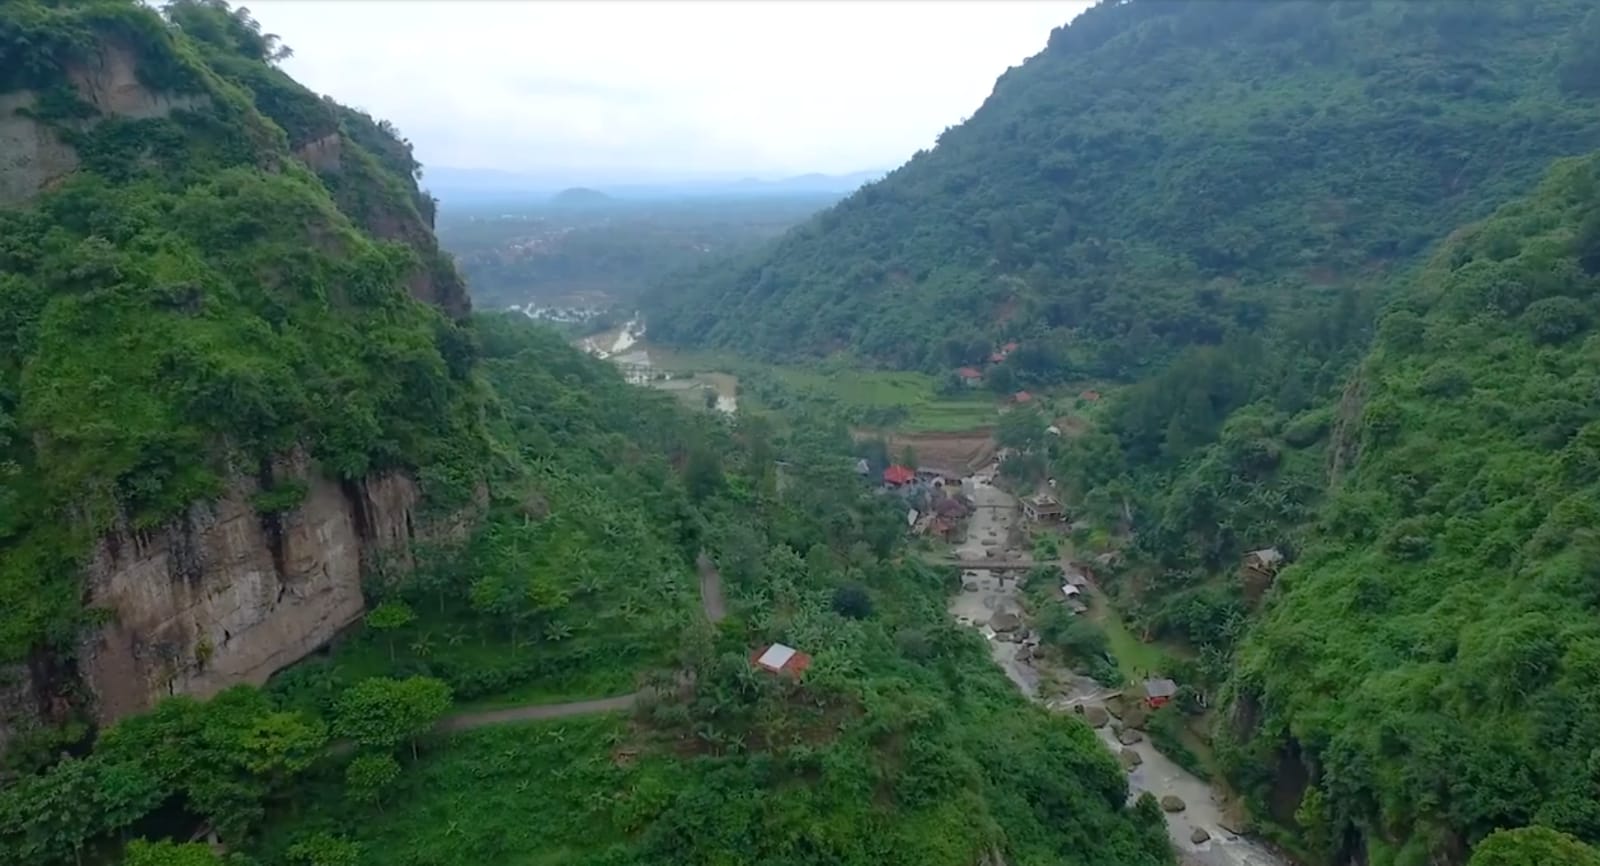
pixel 711 602
pixel 986 593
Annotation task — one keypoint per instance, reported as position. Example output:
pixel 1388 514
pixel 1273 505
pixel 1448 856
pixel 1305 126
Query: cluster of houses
pixel 935 504
pixel 973 377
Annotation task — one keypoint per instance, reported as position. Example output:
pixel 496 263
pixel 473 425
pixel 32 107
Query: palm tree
pixel 423 645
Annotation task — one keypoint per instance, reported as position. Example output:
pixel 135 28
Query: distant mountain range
pixel 463 185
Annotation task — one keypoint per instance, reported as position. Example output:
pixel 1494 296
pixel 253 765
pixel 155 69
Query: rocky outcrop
pixel 324 155
pixel 226 594
pixel 109 81
pixel 33 156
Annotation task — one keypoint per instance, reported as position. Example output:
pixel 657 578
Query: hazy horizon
pixel 623 93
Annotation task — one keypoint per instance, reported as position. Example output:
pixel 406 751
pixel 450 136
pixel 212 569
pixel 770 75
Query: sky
pixel 617 91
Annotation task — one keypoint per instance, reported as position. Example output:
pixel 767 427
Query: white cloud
pixel 633 90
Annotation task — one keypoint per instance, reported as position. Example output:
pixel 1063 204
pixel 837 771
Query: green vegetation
pixel 213 292
pixel 1164 174
pixel 187 307
pixel 1428 657
pixel 1243 245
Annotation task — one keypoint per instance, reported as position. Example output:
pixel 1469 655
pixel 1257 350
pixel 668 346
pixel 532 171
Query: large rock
pixel 1096 716
pixel 1199 836
pixel 1115 705
pixel 1130 758
pixel 1005 622
pixel 1129 736
pixel 1172 803
pixel 1135 715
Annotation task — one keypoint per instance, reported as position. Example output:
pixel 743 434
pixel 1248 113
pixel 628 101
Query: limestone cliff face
pixel 225 594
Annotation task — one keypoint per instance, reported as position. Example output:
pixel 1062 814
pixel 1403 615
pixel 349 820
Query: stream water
pixel 986 593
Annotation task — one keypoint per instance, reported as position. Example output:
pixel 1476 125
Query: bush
pixel 1556 320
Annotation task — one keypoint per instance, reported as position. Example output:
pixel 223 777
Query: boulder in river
pixel 970 586
pixel 1128 736
pixel 1231 821
pixel 1172 803
pixel 1005 622
pixel 1096 716
pixel 1114 705
pixel 1134 716
pixel 1129 758
pixel 1199 836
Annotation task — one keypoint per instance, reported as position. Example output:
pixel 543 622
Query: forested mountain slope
pixel 231 359
pixel 1164 173
pixel 1433 659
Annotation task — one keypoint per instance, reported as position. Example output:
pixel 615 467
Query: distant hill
pixel 1163 173
pixel 580 197
pixel 468 187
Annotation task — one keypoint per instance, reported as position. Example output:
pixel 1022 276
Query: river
pixel 986 593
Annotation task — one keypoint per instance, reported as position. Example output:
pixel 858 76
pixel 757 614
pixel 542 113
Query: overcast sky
pixel 608 90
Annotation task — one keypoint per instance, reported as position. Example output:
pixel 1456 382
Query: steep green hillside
pixel 204 267
pixel 902 744
pixel 1163 174
pixel 187 299
pixel 1431 660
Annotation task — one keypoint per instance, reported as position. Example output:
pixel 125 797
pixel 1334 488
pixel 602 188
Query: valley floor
pixel 995 531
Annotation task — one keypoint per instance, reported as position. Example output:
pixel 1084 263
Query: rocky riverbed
pixel 989 600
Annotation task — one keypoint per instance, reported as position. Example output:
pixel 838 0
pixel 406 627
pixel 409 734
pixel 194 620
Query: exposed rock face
pixel 225 594
pixel 324 155
pixel 110 82
pixel 32 155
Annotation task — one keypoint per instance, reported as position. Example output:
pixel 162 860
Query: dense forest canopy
pixel 1164 174
pixel 1431 657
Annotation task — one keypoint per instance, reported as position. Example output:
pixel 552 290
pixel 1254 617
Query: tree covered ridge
pixel 194 300
pixel 1163 174
pixel 1431 659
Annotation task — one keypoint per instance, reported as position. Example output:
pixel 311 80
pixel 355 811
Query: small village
pixel 971 520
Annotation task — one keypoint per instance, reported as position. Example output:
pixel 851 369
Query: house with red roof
pixel 997 357
pixel 1009 348
pixel 969 375
pixel 898 475
pixel 1022 397
pixel 1089 396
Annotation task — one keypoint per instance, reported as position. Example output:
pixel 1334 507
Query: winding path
pixel 711 602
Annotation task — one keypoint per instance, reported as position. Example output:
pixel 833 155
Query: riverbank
pixel 990 600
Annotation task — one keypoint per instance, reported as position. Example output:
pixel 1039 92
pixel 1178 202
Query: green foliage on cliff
pixel 1432 656
pixel 193 303
pixel 1163 174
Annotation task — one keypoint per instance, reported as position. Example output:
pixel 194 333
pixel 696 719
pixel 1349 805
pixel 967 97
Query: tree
pixel 281 745
pixel 1533 846
pixel 380 712
pixel 908 457
pixel 1553 320
pixel 852 600
pixel 141 852
pixel 390 617
pixel 369 775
